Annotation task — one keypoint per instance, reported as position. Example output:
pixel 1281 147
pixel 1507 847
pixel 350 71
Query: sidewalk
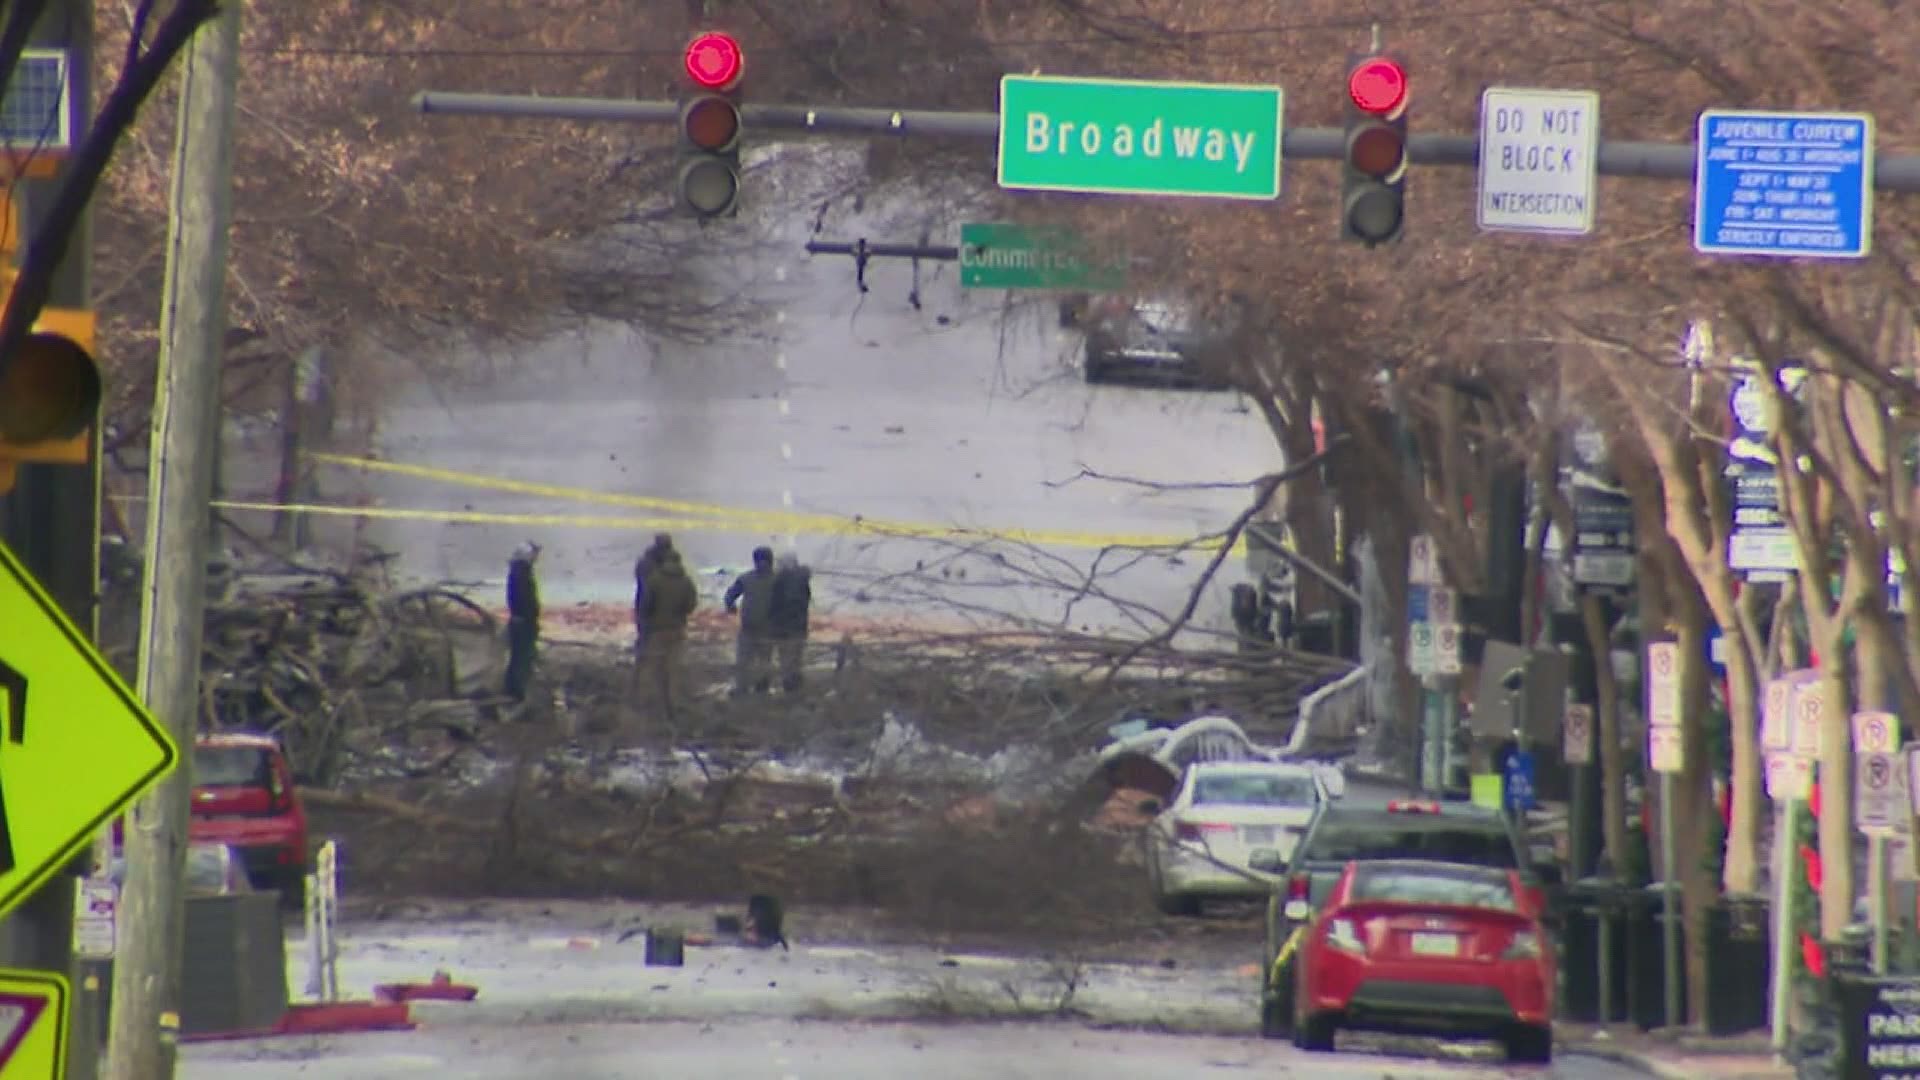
pixel 1683 1057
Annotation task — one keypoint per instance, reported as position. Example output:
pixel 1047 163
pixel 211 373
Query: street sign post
pixel 1876 791
pixel 1576 734
pixel 1421 659
pixel 1009 256
pixel 1776 729
pixel 1128 137
pixel 1446 648
pixel 1875 732
pixel 1787 184
pixel 77 747
pixel 1423 561
pixel 1539 160
pixel 33 1025
pixel 1663 685
pixel 1808 710
pixel 1664 753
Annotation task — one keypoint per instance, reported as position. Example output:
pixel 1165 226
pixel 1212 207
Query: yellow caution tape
pixel 723 518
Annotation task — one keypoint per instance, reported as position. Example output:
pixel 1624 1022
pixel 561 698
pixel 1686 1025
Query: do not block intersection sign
pixel 75 744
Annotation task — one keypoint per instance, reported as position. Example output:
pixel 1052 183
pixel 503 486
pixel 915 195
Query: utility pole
pixel 186 434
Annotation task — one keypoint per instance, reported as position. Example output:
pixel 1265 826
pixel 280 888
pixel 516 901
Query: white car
pixel 1229 831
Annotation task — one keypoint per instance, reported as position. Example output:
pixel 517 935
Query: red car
pixel 243 797
pixel 1421 947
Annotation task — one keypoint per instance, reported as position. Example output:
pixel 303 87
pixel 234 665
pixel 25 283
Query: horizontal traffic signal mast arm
pixel 1661 161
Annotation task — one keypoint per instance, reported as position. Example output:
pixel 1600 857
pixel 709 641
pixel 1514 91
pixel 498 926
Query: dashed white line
pixel 786 498
pixel 785 406
pixel 780 360
pixel 786 451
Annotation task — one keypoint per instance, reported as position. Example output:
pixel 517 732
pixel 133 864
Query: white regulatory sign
pixel 1877 801
pixel 1446 648
pixel 1539 152
pixel 1576 728
pixel 1664 753
pixel 1421 657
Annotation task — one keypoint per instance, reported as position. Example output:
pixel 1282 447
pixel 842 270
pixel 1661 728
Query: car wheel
pixel 1530 1045
pixel 1314 1033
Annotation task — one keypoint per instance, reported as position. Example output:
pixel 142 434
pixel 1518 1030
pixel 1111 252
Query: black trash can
pixel 1646 980
pixel 1739 966
pixel 1590 904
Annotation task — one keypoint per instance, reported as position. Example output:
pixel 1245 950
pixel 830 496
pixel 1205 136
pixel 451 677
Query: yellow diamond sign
pixel 75 744
pixel 33 1025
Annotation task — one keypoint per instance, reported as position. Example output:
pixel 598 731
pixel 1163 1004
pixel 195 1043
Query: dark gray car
pixel 1159 341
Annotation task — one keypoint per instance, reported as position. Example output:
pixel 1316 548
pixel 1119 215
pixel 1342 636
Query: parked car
pixel 1160 341
pixel 244 797
pixel 1229 831
pixel 1408 829
pixel 1427 948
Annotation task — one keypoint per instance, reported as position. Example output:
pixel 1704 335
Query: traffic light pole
pixel 1649 160
pixel 50 520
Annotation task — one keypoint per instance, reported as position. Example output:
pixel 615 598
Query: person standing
pixel 789 608
pixel 751 598
pixel 650 558
pixel 523 619
pixel 668 600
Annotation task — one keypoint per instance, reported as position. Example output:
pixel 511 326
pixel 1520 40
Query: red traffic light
pixel 1378 151
pixel 711 124
pixel 1378 85
pixel 715 61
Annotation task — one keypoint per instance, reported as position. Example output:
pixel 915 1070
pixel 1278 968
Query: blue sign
pixel 1519 787
pixel 1792 184
pixel 1417 596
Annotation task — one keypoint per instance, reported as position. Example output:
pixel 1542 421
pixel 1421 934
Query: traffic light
pixel 49 394
pixel 710 126
pixel 1373 189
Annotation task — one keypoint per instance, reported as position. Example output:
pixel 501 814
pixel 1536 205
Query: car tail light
pixel 1412 806
pixel 1344 935
pixel 1524 946
pixel 1198 830
pixel 1299 887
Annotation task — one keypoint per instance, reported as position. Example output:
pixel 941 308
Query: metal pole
pixel 1660 161
pixel 1669 885
pixel 1877 898
pixel 1786 822
pixel 1430 776
pixel 186 430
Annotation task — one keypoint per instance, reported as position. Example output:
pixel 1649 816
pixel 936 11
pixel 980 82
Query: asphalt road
pixel 781 1050
pixel 859 406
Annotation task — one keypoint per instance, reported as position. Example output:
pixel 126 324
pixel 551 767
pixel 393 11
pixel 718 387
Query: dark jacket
pixel 791 600
pixel 641 569
pixel 752 592
pixel 668 597
pixel 523 591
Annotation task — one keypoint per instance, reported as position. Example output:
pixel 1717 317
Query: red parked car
pixel 1421 947
pixel 243 797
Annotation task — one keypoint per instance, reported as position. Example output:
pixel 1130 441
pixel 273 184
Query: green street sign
pixel 1005 256
pixel 1126 137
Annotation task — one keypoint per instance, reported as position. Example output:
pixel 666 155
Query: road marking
pixel 786 451
pixel 786 497
pixel 785 407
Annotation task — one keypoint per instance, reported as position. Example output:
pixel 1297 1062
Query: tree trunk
pixel 1693 796
pixel 1742 872
pixel 1613 763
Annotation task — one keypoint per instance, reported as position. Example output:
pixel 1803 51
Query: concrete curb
pixel 1620 1055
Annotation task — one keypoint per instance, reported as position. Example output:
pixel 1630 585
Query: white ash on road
pixel 833 1050
pixel 560 994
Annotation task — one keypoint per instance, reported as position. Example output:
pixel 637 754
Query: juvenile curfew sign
pixel 1127 137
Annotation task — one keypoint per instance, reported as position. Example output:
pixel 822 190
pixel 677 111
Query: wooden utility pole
pixel 186 433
